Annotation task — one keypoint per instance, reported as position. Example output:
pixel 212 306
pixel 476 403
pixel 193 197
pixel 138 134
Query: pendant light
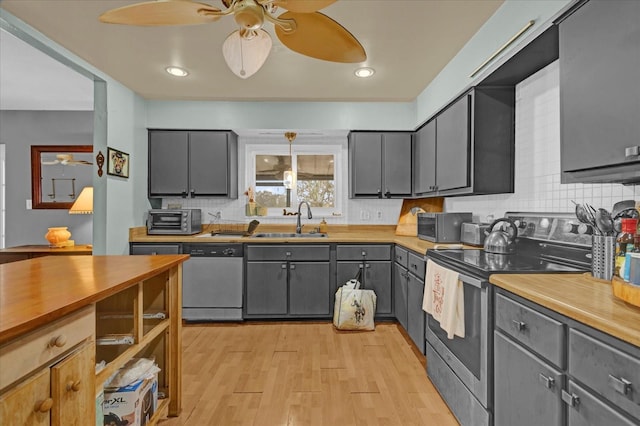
pixel 245 51
pixel 289 177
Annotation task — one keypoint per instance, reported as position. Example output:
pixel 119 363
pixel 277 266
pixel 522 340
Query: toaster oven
pixel 441 227
pixel 174 221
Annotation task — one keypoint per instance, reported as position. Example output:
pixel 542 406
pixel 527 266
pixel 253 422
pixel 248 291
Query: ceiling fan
pixel 65 160
pixel 301 28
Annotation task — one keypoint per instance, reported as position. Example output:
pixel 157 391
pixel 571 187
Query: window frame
pixel 252 150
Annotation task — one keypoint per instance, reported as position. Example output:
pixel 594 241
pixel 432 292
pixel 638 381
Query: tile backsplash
pixel 537 160
pixel 537 172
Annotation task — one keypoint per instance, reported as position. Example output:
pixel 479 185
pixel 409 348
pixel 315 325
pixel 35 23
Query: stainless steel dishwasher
pixel 212 282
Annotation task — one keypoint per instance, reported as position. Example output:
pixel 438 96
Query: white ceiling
pixel 408 42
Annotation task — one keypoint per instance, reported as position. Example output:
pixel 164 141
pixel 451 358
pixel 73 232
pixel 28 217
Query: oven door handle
pixel 466 279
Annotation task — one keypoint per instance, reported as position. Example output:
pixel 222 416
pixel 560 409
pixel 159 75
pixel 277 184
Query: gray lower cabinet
pixel 287 281
pixel 599 92
pixel 527 390
pixel 374 262
pixel 400 283
pixel 408 286
pixel 380 164
pixel 193 164
pixel 549 369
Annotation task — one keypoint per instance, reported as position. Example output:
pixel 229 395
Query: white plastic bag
pixel 354 307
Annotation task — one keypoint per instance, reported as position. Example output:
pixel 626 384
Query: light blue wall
pixel 122 120
pixel 120 123
pixel 506 22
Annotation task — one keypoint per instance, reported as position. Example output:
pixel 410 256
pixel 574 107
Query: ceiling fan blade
pixel 160 13
pixel 320 37
pixel 303 6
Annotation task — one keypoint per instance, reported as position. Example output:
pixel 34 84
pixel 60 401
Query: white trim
pixel 283 149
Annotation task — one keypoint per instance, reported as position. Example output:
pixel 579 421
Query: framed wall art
pixel 117 163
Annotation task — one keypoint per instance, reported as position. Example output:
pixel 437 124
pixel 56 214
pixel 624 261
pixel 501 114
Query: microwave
pixel 174 221
pixel 441 227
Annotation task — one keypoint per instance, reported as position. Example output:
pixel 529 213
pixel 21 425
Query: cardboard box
pixel 134 403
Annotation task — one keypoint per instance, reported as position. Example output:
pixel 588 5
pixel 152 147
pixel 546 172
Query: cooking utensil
pixel 582 213
pixel 604 221
pixel 498 240
pixel 621 206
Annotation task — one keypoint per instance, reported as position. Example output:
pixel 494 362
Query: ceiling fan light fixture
pixel 246 51
pixel 364 72
pixel 177 71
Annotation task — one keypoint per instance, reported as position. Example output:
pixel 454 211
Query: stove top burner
pixel 490 263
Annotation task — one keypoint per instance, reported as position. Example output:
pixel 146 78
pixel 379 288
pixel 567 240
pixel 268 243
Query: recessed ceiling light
pixel 364 72
pixel 177 71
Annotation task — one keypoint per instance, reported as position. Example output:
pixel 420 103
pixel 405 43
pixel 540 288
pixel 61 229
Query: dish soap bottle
pixel 323 226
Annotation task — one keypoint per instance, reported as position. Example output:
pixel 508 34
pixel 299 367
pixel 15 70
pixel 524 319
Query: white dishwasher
pixel 212 282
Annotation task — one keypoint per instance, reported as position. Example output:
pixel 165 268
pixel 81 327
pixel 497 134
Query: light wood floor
pixel 304 374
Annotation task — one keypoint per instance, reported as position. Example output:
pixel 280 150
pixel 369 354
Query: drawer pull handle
pixel 44 406
pixel 520 326
pixel 570 399
pixel 549 382
pixel 288 254
pixel 292 267
pixel 621 385
pixel 283 266
pixel 73 385
pixel 364 254
pixel 58 341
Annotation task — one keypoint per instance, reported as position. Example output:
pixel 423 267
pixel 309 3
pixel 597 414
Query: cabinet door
pixel 365 160
pixel 208 164
pixel 266 288
pixel 73 388
pixel 453 153
pixel 599 90
pixel 309 288
pixel 168 163
pixel 29 403
pixel 376 276
pixel 400 276
pixel 527 390
pixel 415 314
pixel 425 159
pixel 396 156
pixel 585 409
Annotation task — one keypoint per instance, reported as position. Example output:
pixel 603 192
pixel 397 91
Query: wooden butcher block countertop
pixel 37 291
pixel 580 297
pixel 357 234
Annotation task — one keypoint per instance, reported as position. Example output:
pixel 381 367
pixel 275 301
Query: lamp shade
pixel 84 203
pixel 246 53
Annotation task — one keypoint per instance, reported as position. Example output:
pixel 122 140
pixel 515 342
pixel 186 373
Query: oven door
pixel 468 357
pixel 427 225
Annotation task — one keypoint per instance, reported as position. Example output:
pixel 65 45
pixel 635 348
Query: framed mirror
pixel 58 174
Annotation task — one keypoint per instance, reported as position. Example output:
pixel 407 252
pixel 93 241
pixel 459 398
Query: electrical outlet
pixel 365 215
pixel 379 214
pixel 29 207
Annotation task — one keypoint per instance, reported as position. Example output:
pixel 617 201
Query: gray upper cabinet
pixel 424 178
pixel 468 148
pixel 380 164
pixel 193 164
pixel 600 92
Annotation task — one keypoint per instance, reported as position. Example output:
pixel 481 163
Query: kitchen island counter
pixel 37 291
pixel 579 297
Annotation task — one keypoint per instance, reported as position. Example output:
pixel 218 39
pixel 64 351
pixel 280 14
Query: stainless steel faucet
pixel 299 214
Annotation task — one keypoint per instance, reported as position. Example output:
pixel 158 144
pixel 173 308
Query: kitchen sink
pixel 289 235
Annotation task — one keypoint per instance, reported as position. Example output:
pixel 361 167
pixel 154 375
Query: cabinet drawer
pixel 316 252
pixel 147 249
pixel 416 265
pixel 610 372
pixel 590 411
pixel 402 256
pixel 537 331
pixel 360 252
pixel 25 354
